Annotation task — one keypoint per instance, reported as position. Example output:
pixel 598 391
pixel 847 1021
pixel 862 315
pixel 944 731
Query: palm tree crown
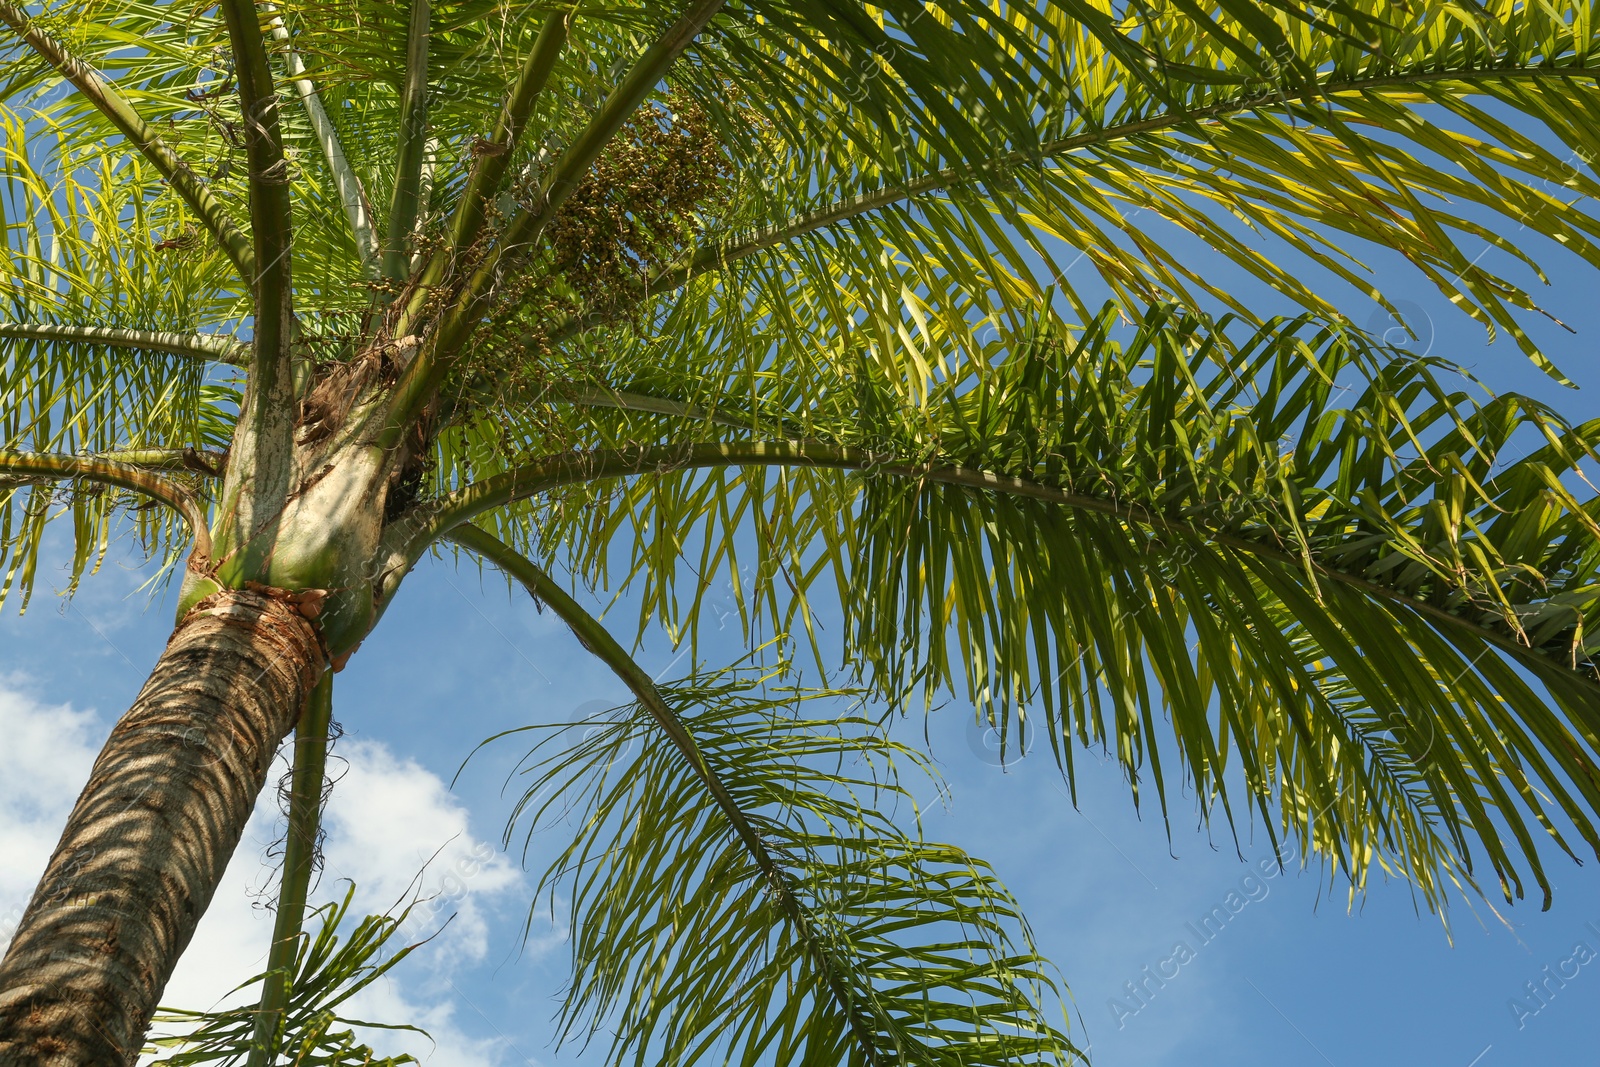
pixel 898 305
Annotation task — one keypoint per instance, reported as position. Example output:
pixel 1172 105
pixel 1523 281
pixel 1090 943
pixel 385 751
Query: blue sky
pixel 1295 975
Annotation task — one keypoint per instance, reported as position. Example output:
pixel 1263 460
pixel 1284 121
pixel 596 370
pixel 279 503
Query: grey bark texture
pixel 152 832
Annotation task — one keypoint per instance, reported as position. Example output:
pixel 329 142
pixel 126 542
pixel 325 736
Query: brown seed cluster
pixel 638 205
pixel 664 178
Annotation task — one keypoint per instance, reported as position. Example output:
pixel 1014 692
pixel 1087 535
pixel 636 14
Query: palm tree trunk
pixel 152 832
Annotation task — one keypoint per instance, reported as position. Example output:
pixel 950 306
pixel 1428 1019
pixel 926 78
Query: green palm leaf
pixel 1369 125
pixel 865 946
pixel 1314 557
pixel 329 969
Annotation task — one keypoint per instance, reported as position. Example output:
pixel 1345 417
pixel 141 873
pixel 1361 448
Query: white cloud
pixel 395 830
pixel 43 764
pixel 393 827
pixel 389 819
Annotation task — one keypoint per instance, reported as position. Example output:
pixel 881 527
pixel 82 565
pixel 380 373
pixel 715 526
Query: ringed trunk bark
pixel 152 832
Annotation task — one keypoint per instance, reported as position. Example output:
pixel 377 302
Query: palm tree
pixel 646 291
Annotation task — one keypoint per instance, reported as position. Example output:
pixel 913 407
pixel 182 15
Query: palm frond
pixel 1292 144
pixel 116 109
pixel 96 360
pixel 330 968
pixel 1231 535
pixel 912 952
pixel 1256 128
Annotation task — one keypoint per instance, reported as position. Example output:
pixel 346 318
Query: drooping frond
pixel 1321 561
pixel 330 968
pixel 911 953
pixel 95 360
pixel 81 256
